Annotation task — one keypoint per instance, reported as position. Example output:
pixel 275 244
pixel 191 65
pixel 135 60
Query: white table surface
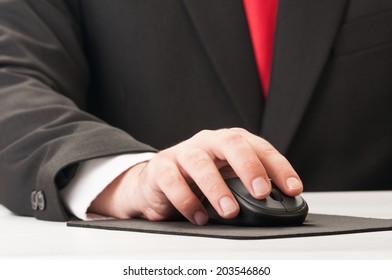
pixel 22 237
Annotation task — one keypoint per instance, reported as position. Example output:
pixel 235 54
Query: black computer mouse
pixel 277 209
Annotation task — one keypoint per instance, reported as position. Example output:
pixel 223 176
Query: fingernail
pixel 227 205
pixel 293 183
pixel 200 218
pixel 260 186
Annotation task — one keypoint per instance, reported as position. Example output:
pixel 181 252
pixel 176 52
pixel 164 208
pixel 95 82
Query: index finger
pixel 277 166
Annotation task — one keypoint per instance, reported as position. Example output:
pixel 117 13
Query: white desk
pixel 22 237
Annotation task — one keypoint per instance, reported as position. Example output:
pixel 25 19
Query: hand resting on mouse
pixel 165 186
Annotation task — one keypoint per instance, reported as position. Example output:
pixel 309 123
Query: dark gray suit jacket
pixel 84 79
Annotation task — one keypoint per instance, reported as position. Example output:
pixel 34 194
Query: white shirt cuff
pixel 92 177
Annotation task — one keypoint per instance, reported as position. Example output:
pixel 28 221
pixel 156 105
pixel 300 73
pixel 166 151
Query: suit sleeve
pixel 44 128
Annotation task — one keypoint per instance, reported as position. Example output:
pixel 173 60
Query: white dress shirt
pixel 91 179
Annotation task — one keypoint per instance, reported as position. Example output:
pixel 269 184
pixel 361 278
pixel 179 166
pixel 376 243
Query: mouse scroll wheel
pixel 275 195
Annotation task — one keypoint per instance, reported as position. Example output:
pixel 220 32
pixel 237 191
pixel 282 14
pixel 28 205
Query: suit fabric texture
pixel 87 79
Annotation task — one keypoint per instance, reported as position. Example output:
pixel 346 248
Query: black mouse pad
pixel 314 225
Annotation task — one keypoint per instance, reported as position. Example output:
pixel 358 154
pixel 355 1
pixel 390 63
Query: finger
pixel 171 182
pixel 277 166
pixel 199 165
pixel 241 156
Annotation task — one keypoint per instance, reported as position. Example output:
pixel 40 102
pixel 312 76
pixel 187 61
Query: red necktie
pixel 261 15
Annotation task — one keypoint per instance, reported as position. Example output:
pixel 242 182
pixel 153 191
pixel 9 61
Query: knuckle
pixel 197 158
pixel 162 163
pixel 163 169
pixel 153 215
pixel 203 133
pixel 160 156
pixel 222 130
pixel 231 137
pixel 206 180
pixel 186 205
pixel 214 190
pixel 269 151
pixel 169 178
pixel 239 130
pixel 251 165
pixel 184 155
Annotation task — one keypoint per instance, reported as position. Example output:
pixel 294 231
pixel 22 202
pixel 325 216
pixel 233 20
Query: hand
pixel 178 178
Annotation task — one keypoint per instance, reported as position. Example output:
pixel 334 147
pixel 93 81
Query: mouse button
pixel 237 186
pixel 293 203
pixel 275 195
pixel 240 190
pixel 268 203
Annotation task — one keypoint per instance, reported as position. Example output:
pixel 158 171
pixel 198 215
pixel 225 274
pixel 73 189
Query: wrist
pixel 121 198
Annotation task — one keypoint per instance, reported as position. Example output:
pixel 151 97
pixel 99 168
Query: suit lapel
pixel 304 35
pixel 223 30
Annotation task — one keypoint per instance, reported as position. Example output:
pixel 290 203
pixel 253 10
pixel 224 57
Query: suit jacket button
pixel 40 200
pixel 33 200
